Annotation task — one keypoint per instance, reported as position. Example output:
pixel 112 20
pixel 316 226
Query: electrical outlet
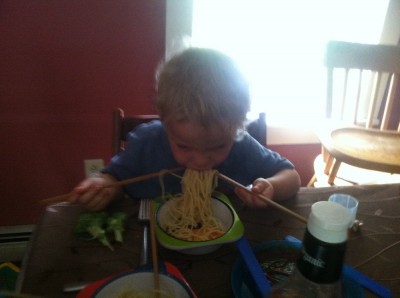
pixel 92 166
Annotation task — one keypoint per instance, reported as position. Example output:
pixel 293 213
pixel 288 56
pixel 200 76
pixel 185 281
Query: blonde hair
pixel 203 86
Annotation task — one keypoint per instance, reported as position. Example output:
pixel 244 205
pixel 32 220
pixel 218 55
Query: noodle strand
pixel 191 216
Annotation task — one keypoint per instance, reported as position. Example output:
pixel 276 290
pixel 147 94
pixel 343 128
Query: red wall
pixel 302 156
pixel 64 66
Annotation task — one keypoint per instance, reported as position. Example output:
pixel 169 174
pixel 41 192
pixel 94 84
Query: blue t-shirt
pixel 148 151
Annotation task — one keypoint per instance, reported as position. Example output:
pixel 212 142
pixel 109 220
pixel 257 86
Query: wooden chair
pixel 122 125
pixel 258 129
pixel 363 106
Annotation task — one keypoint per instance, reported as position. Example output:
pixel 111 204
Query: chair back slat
pixel 344 94
pixel 373 102
pixel 394 83
pixel 358 96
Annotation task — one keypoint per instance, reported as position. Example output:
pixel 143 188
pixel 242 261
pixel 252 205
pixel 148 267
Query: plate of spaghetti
pixel 198 220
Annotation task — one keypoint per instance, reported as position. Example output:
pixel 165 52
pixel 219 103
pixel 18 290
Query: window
pixel 280 44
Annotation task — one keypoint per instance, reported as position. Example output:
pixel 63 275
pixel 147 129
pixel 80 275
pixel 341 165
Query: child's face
pixel 197 148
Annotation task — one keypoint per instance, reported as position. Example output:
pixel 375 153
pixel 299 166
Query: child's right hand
pixel 90 194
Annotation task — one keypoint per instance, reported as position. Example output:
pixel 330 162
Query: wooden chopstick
pixel 264 198
pixel 62 198
pixel 154 255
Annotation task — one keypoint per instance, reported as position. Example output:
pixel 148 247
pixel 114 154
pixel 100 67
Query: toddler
pixel 202 100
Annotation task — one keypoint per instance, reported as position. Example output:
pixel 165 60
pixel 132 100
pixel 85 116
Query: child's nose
pixel 201 162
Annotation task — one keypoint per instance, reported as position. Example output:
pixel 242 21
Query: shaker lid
pixel 329 222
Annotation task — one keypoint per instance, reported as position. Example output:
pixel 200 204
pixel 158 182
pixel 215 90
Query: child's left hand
pixel 260 186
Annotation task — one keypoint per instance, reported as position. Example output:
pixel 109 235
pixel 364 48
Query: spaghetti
pixel 190 214
pixel 143 294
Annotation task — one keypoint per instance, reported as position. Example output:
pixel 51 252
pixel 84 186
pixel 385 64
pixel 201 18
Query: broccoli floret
pixel 116 224
pixel 93 224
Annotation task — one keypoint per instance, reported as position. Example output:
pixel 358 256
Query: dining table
pixel 56 256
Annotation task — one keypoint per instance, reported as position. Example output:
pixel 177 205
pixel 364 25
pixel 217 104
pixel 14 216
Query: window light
pixel 279 45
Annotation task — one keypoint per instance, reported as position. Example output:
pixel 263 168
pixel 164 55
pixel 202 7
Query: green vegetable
pixel 116 224
pixel 93 224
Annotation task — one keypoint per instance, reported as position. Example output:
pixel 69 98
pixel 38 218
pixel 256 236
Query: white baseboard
pixel 12 252
pixel 14 241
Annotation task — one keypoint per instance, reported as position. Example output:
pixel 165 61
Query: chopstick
pixel 264 198
pixel 62 198
pixel 154 252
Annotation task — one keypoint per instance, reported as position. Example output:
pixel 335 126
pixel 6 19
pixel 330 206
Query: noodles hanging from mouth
pixel 190 214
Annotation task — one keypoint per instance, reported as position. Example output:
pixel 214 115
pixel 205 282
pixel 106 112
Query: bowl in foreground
pixel 140 280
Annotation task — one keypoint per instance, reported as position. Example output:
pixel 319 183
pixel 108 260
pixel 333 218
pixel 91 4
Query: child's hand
pixel 90 194
pixel 260 186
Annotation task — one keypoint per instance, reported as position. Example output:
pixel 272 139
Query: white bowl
pixel 142 281
pixel 223 211
pixel 172 283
